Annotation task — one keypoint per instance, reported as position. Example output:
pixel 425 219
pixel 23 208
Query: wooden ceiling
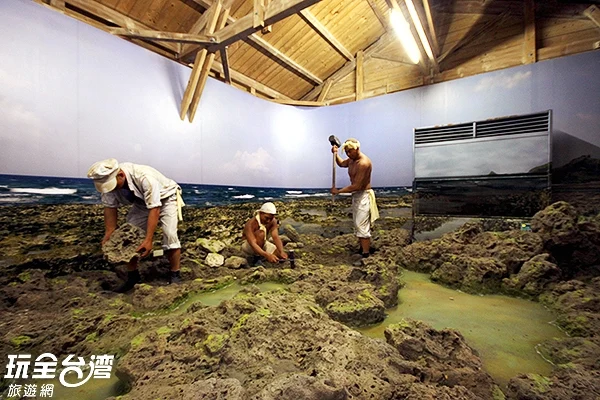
pixel 322 52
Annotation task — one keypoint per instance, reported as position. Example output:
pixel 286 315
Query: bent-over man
pixel 364 207
pixel 153 198
pixel 256 234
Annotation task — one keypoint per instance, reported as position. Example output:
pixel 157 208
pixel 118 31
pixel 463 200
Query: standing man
pixel 154 198
pixel 364 207
pixel 257 231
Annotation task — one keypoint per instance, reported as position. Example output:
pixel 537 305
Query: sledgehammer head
pixel 334 141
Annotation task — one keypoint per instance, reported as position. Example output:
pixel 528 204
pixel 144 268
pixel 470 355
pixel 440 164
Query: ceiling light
pixel 406 37
pixel 419 27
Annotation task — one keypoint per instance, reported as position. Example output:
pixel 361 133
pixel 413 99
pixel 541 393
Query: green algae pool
pixel 504 330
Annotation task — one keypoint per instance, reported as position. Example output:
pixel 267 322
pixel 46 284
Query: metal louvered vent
pixel 514 125
pixel 445 133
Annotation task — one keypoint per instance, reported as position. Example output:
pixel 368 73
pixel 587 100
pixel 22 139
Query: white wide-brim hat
pixel 104 174
pixel 268 208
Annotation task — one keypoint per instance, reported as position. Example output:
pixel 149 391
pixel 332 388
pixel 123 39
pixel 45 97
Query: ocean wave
pixel 244 196
pixel 15 199
pixel 308 195
pixel 51 190
pixel 293 191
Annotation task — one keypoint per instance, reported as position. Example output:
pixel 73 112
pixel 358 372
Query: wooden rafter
pixel 431 26
pixel 293 65
pixel 188 96
pixel 324 32
pixel 383 20
pixel 164 36
pixel 301 103
pixel 258 14
pixel 258 41
pixel 109 15
pixel 249 82
pixel 325 91
pixel 388 57
pixel 206 69
pixel 350 65
pixel 529 42
pixel 243 27
pixel 225 61
pixel 360 58
pixel 474 34
pixel 593 13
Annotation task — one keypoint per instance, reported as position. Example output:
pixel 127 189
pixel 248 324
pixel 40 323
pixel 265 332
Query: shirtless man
pixel 364 208
pixel 256 233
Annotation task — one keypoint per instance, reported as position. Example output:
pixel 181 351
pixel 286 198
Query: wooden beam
pixel 188 96
pixel 328 36
pixel 342 99
pixel 387 57
pixel 325 91
pixel 431 27
pixel 273 51
pixel 383 20
pixel 593 13
pixel 341 73
pixel 206 69
pixel 302 103
pixel 360 57
pixel 474 34
pixel 163 36
pixel 258 15
pixel 92 7
pixel 249 82
pixel 225 61
pixel 294 66
pixel 350 66
pixel 243 27
pixel 529 41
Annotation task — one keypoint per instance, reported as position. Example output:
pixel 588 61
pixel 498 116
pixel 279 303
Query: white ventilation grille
pixel 515 125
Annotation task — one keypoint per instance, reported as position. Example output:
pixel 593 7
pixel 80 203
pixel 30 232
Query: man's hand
pixel 335 191
pixel 145 248
pixel 283 256
pixel 106 237
pixel 334 149
pixel 271 258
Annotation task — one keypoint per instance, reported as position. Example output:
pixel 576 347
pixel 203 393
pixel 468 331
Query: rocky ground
pixel 297 343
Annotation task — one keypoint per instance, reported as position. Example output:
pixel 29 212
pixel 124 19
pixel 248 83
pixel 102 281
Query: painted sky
pixel 71 95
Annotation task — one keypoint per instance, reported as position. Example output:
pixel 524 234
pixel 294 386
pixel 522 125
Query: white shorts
pixel 138 216
pixel 361 213
pixel 248 250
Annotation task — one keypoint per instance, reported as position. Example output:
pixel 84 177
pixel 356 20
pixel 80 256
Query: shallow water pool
pixel 504 330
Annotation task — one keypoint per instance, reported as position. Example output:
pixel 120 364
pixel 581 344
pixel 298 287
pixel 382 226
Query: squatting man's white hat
pixel 268 208
pixel 104 173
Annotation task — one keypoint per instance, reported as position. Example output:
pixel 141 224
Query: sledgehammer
pixel 334 141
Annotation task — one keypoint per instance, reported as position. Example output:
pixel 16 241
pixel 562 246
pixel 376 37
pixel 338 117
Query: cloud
pixel 19 121
pixel 10 82
pixel 502 81
pixel 253 168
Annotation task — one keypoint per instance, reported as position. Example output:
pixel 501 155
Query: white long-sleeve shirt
pixel 148 186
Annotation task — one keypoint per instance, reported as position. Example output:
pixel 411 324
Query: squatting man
pixel 153 198
pixel 256 234
pixel 364 207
